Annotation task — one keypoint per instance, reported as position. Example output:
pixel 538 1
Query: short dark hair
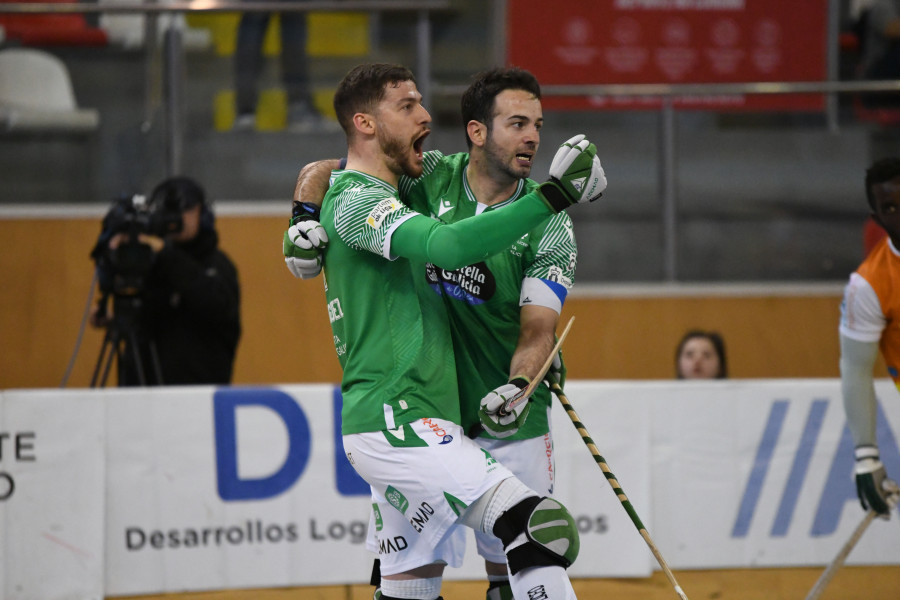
pixel 363 88
pixel 477 102
pixel 715 339
pixel 881 171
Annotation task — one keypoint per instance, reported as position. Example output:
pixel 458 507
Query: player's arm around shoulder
pixel 367 215
pixel 305 239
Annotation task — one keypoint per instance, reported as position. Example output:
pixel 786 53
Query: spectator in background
pixel 868 314
pixel 248 65
pixel 701 355
pixel 880 46
pixel 176 298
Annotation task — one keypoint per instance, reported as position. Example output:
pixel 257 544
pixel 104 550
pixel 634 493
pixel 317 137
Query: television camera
pixel 123 264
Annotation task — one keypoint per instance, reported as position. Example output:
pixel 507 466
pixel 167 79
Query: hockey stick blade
pixel 828 574
pixel 614 483
pixel 529 389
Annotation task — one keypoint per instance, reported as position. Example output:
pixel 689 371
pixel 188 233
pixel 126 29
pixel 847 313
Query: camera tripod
pixel 123 342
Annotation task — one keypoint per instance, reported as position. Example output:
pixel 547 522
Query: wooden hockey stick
pixel 529 389
pixel 827 575
pixel 626 503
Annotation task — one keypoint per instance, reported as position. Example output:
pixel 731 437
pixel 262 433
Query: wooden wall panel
pixel 47 277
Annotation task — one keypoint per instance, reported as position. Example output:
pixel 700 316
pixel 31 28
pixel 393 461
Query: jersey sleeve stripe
pixel 543 292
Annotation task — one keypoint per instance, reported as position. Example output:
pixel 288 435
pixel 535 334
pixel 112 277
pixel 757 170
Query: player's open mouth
pixel 419 142
pixel 524 158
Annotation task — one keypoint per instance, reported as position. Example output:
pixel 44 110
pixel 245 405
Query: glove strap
pixel 553 196
pixel 867 460
pixel 304 211
pixel 520 381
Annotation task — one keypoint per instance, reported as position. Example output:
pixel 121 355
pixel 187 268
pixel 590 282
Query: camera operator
pixel 176 297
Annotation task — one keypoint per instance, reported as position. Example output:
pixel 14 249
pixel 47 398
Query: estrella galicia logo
pixel 474 284
pixel 431 275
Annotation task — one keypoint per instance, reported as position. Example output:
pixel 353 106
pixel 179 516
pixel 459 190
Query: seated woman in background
pixel 701 355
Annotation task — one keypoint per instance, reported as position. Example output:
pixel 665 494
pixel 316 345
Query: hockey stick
pixel 529 389
pixel 826 577
pixel 626 503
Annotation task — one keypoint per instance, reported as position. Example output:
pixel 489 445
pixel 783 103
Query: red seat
pixel 886 117
pixel 51 29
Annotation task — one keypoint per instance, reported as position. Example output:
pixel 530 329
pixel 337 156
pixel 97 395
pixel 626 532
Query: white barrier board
pixel 212 488
pixel 249 487
pixel 760 473
pixel 51 496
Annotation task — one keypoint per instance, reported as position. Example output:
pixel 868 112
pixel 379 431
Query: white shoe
pixel 245 122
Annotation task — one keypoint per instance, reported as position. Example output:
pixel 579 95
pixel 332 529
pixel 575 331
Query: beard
pixel 501 164
pixel 397 155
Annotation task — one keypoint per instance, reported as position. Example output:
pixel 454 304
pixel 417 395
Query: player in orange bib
pixel 870 318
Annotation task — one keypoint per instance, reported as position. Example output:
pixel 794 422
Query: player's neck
pixel 371 163
pixel 489 188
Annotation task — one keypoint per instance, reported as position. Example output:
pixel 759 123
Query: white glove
pixel 501 424
pixel 576 172
pixel 303 245
pixel 875 490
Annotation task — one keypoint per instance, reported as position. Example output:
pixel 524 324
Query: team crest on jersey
pixel 381 211
pixel 396 499
pixel 474 284
pixel 554 273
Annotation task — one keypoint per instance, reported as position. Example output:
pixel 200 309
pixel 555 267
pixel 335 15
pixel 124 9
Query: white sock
pixel 414 589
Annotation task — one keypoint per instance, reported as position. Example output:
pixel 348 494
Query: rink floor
pixel 849 583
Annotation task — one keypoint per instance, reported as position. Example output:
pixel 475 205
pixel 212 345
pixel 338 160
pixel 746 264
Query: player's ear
pixel 477 132
pixel 364 123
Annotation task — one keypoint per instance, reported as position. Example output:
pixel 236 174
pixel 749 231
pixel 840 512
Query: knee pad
pixel 552 538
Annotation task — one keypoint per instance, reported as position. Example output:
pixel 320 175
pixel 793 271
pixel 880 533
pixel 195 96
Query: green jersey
pixel 483 299
pixel 390 330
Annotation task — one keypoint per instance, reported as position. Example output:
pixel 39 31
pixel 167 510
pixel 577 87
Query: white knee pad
pixel 483 513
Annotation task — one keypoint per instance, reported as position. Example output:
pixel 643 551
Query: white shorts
pixel 422 475
pixel 532 461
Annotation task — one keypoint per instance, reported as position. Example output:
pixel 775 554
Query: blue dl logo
pixel 232 487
